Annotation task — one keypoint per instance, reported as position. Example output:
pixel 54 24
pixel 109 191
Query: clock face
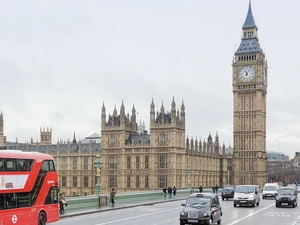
pixel 246 74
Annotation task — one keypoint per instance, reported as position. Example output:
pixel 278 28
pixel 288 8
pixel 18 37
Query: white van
pixel 270 190
pixel 246 195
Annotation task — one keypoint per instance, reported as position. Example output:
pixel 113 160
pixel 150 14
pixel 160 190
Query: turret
pixel 152 112
pixel 122 116
pixel 103 117
pixel 182 114
pixel 173 111
pixel 1 124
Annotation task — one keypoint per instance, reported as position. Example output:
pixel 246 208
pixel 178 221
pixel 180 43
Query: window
pixel 64 163
pixel 112 162
pixel 74 181
pixel 162 138
pixel 128 181
pixel 137 161
pixel 146 181
pixel 52 196
pixel 75 163
pixel 162 181
pixel 112 179
pixel 64 181
pixel 85 163
pixel 146 162
pixel 113 140
pixel 85 181
pixel 128 161
pixel 137 181
pixel 48 165
pixel 10 165
pixel 162 161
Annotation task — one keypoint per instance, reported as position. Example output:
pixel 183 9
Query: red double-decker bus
pixel 28 188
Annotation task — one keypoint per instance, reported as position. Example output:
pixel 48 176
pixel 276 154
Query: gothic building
pixel 249 70
pixel 140 161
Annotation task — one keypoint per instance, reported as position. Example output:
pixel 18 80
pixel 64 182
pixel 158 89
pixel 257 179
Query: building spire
pixel 249 22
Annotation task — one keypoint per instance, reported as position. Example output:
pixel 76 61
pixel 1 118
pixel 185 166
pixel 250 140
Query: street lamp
pixel 228 177
pixel 248 178
pixel 98 165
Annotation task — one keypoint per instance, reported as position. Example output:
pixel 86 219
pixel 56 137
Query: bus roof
pixel 18 154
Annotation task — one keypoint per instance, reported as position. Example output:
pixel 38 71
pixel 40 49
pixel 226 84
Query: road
pixel 167 213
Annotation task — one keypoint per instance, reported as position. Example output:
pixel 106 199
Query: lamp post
pixel 98 165
pixel 228 177
pixel 248 178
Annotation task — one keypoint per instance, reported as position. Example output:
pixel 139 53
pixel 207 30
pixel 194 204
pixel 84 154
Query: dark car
pixel 201 208
pixel 287 196
pixel 227 192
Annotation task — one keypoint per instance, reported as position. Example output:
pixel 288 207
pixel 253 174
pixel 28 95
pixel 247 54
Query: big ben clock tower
pixel 249 70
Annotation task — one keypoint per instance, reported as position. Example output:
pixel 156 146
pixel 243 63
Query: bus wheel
pixel 42 218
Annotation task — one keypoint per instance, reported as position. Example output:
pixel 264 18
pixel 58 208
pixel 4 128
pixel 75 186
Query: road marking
pixel 134 217
pixel 251 214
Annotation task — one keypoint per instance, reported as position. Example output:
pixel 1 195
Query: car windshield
pixel 228 188
pixel 196 201
pixel 269 188
pixel 286 191
pixel 244 189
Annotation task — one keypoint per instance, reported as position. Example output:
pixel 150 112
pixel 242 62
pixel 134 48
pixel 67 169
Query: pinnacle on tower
pixel 249 22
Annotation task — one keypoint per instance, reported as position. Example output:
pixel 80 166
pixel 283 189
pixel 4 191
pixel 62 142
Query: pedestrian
pixel 213 189
pixel 112 196
pixel 216 188
pixel 170 192
pixel 200 189
pixel 174 191
pixel 62 201
pixel 165 192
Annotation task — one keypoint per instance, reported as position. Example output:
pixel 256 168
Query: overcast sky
pixel 60 60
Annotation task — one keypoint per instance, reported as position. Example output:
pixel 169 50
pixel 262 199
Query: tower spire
pixel 249 22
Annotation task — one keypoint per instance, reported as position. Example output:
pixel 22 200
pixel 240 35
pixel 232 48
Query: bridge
pixel 92 204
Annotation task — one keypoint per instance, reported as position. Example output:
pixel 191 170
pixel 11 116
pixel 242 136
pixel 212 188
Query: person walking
pixel 216 188
pixel 62 201
pixel 170 192
pixel 213 189
pixel 165 192
pixel 200 189
pixel 174 191
pixel 112 196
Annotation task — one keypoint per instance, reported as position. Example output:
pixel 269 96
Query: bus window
pixel 9 165
pixel 45 166
pixel 1 165
pixel 24 164
pixel 52 166
pixel 52 196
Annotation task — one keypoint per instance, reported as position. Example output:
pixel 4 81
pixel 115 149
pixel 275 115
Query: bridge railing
pixel 94 201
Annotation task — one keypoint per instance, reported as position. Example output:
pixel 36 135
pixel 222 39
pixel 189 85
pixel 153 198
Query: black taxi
pixel 201 208
pixel 227 192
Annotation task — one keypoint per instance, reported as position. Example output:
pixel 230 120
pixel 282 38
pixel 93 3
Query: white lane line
pixel 133 217
pixel 251 214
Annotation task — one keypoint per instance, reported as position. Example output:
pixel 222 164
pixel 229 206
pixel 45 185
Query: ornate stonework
pixel 249 70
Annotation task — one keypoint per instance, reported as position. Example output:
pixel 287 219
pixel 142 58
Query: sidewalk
pixel 122 204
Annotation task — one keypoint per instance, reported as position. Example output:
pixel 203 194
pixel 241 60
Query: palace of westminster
pixel 137 160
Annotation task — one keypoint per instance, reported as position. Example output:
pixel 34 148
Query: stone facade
pixel 136 160
pixel 249 70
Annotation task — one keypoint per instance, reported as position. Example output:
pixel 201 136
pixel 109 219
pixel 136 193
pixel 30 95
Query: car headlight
pixel 182 213
pixel 251 196
pixel 235 196
pixel 293 198
pixel 205 214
